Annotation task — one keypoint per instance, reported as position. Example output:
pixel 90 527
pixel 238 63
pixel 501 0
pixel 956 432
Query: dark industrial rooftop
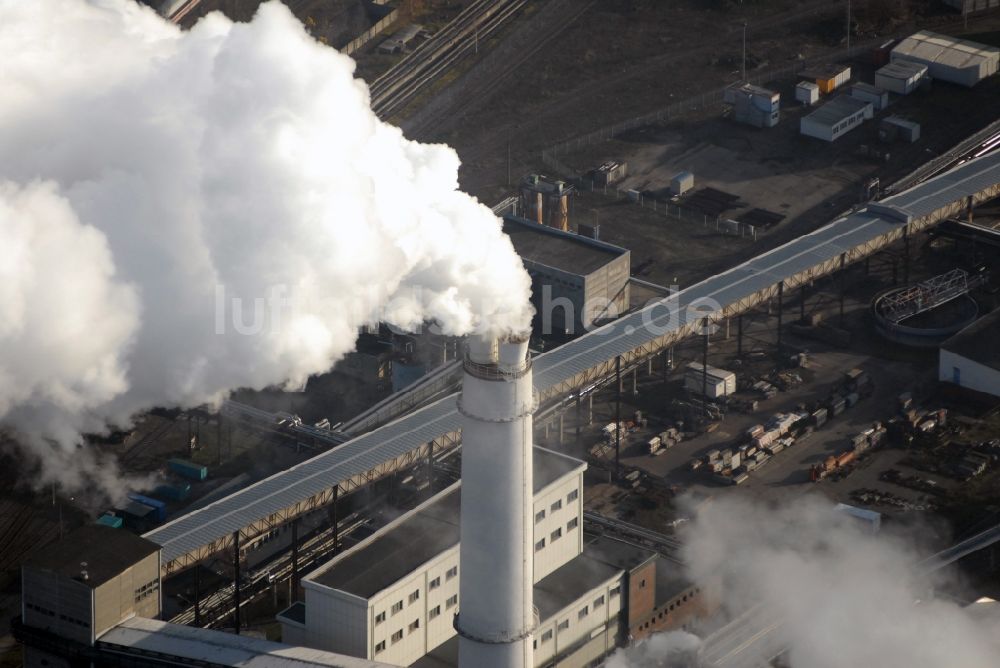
pixel 569 582
pixel 565 251
pixel 419 536
pixel 616 553
pixel 106 552
pixel 978 341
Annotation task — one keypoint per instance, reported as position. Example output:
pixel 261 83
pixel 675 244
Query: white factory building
pixel 836 118
pixel 948 58
pixel 393 597
pixel 971 358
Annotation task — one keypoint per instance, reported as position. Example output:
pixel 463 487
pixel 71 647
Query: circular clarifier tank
pixel 928 329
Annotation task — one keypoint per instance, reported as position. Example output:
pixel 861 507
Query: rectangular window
pixel 599 602
pixel 539 516
pixel 547 636
pixel 434 612
pixel 616 590
pixel 379 647
pixel 573 496
pixel 397 636
pixel 572 524
pixel 397 607
pixel 556 506
pixel 556 535
pixel 452 572
pixel 540 545
pixel 451 602
pixel 379 618
pixel 414 625
pixel 415 596
pixel 435 583
pixel 563 625
pixel 584 611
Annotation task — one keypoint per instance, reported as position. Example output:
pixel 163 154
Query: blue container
pixel 186 469
pixel 175 492
pixel 159 508
pixel 110 520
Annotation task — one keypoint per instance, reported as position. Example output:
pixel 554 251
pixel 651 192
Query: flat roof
pixel 105 550
pixel 400 548
pixel 838 109
pixel 565 251
pixel 670 581
pixel 217 648
pixel 978 341
pixel 933 47
pixel 296 612
pixel 616 553
pixel 569 582
pixel 902 69
pixel 828 71
pixel 868 88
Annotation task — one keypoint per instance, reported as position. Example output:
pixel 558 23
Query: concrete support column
pixel 635 381
pixel 560 429
pixel 739 335
pixel 590 409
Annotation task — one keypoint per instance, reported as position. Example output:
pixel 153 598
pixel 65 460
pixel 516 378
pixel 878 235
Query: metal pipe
pixel 618 414
pixel 236 580
pixel 781 299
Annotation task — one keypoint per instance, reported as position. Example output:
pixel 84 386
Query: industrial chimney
pixel 496 617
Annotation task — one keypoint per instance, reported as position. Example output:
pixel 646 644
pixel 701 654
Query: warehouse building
pixel 901 77
pixel 576 281
pixel 836 118
pixel 949 59
pixel 91 599
pixel 971 358
pixel 393 597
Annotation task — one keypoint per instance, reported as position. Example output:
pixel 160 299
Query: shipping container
pixel 175 492
pixel 807 93
pixel 187 469
pixel 654 445
pixel 109 519
pixel 819 417
pixel 713 455
pixel 878 97
pixel 681 183
pixel 901 77
pixel 159 507
pixel 137 516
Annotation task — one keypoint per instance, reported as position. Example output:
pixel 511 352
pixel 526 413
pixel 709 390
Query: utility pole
pixel 744 52
pixel 848 26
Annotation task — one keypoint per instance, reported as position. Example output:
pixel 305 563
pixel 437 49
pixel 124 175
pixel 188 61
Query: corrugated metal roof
pixel 217 648
pixel 837 109
pixel 903 69
pixel 361 454
pixel 927 46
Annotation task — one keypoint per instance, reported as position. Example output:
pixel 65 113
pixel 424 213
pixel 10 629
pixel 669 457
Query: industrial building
pixel 546 201
pixel 949 59
pixel 901 77
pixel 753 105
pixel 92 597
pixel 576 281
pixel 878 97
pixel 836 118
pixel 971 358
pixel 392 598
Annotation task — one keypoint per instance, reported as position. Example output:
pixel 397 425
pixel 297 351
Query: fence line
pixel 371 33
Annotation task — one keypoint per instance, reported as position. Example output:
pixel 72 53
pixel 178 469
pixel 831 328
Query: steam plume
pixel 846 599
pixel 155 183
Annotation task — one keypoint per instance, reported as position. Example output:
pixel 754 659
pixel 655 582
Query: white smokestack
pixel 496 580
pixel 185 213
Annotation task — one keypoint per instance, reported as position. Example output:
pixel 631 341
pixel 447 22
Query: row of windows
pixel 398 635
pixel 51 613
pixel 415 595
pixel 557 534
pixel 570 498
pixel 146 590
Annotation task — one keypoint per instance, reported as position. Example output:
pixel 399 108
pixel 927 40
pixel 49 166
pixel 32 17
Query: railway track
pixel 391 92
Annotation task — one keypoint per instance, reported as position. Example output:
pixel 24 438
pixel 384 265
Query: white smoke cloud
pixel 670 649
pixel 159 188
pixel 846 599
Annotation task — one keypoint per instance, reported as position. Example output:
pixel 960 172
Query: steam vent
pixel 497 617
